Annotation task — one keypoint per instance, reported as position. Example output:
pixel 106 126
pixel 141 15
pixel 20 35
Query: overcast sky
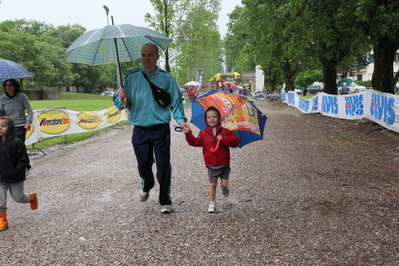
pixel 90 13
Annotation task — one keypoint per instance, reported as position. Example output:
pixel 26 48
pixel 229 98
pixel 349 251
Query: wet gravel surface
pixel 315 191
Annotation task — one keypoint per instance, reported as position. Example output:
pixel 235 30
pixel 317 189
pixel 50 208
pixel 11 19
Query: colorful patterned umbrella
pixel 98 47
pixel 9 69
pixel 238 114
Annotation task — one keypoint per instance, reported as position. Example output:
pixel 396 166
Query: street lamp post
pixel 118 77
pixel 106 12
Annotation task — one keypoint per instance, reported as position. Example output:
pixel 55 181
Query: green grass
pixel 75 102
pixel 308 96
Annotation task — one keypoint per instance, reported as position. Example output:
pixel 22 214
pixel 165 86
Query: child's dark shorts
pixel 222 172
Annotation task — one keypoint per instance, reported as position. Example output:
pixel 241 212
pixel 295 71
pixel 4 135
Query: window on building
pixel 371 58
pixel 359 77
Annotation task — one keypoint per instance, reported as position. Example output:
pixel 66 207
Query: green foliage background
pixel 289 39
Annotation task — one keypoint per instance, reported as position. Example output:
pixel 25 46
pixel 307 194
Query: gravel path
pixel 315 191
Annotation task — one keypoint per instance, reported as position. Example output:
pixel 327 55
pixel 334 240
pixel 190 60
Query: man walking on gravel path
pixel 151 134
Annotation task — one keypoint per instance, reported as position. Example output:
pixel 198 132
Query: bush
pixel 365 83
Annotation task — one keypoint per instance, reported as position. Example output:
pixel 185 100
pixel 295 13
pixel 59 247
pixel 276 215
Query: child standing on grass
pixel 215 141
pixel 13 162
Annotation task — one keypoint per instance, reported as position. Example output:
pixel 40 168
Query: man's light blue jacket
pixel 143 110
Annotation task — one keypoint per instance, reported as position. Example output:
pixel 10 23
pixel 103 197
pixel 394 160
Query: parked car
pixel 313 89
pixel 353 88
pixel 107 93
pixel 397 87
pixel 297 91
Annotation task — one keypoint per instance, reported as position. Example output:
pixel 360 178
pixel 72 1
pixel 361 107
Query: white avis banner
pixel 381 108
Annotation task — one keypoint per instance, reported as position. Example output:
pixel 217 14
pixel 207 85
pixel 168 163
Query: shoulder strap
pixel 152 85
pixel 145 75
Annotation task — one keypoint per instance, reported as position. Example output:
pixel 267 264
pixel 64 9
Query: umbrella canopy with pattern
pixel 9 69
pixel 238 114
pixel 113 44
pixel 98 46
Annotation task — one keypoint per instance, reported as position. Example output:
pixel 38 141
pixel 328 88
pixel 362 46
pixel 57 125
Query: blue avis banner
pixel 376 106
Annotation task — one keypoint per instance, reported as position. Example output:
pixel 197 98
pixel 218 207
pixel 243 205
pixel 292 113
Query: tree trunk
pixel 288 76
pixel 167 65
pixel 383 68
pixel 330 78
pixel 166 22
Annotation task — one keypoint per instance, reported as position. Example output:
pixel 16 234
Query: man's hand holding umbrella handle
pixel 124 100
pixel 122 95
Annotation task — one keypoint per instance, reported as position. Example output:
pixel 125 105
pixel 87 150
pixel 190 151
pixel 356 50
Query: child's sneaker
pixel 225 191
pixel 212 207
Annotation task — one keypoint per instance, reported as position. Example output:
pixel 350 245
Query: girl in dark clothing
pixel 13 161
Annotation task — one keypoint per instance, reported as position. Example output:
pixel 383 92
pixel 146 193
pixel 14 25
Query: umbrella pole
pixel 124 100
pixel 118 66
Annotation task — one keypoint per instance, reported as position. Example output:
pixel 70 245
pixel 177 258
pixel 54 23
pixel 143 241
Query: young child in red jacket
pixel 215 141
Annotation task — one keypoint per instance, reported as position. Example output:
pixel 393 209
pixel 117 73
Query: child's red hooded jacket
pixel 207 140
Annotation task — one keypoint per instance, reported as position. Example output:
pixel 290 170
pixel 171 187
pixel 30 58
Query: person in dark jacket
pixel 215 141
pixel 16 105
pixel 13 161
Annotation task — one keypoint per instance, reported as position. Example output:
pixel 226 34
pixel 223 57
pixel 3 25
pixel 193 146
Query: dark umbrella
pixel 341 82
pixel 9 69
pixel 238 114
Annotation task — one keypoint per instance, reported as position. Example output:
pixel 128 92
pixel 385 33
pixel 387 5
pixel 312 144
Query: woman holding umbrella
pixel 16 105
pixel 192 92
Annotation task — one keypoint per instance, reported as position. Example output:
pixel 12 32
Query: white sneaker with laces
pixel 143 196
pixel 167 209
pixel 212 207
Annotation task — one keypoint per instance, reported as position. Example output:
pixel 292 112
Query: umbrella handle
pixel 216 147
pixel 124 100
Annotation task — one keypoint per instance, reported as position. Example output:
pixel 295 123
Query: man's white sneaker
pixel 143 196
pixel 167 209
pixel 212 207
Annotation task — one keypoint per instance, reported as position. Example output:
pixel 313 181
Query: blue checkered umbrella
pixel 113 43
pixel 98 47
pixel 11 70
